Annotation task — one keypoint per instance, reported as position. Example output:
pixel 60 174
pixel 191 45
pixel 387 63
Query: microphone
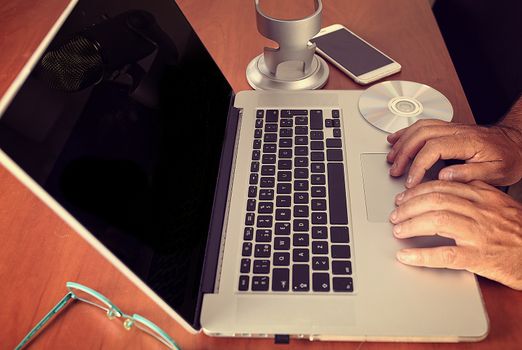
pixel 95 53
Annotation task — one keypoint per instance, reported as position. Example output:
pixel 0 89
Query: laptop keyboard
pixel 296 236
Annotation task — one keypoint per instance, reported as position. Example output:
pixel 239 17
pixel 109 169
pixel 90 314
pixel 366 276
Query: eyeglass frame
pixel 112 312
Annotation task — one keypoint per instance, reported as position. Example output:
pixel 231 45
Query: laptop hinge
pixel 212 250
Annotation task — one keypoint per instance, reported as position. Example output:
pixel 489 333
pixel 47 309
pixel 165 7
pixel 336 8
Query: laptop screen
pixel 122 122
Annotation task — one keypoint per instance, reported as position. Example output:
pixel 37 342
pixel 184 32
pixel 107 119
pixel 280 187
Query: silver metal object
pixel 393 105
pixel 294 65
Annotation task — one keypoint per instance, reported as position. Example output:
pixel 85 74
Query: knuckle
pixel 436 198
pixel 441 219
pixel 448 256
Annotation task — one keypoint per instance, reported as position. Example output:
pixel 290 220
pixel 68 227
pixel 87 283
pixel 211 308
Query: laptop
pixel 256 214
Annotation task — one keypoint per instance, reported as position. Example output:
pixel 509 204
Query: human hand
pixel 485 223
pixel 491 154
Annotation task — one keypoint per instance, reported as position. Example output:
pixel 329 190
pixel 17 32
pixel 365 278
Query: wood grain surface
pixel 39 253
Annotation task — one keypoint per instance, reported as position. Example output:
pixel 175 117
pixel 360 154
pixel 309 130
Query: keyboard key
pixel 300 255
pixel 318 204
pixel 300 278
pixel 301 173
pixel 318 168
pixel 342 284
pixel 318 191
pixel 282 243
pixel 256 144
pixel 281 259
pixel 301 225
pixel 267 182
pixel 328 123
pixel 334 143
pixel 319 232
pixel 245 265
pixel 318 179
pixel 268 170
pixel 285 153
pixel 285 143
pixel 336 123
pixel 260 283
pixel 258 133
pixel 271 115
pixel 264 221
pixel 286 132
pixel 253 179
pixel 284 188
pixel 300 240
pixel 266 194
pixel 316 135
pixel 301 140
pixel 320 263
pixel 293 112
pixel 316 145
pixel 317 156
pixel 247 249
pixel 243 283
pixel 335 113
pixel 337 194
pixel 283 201
pixel 320 282
pixel 248 234
pixel 340 251
pixel 263 235
pixel 271 127
pixel 316 120
pixel 334 155
pixel 269 159
pixel 262 250
pixel 261 266
pixel 282 228
pixel 339 235
pixel 286 123
pixel 250 219
pixel 259 123
pixel 319 247
pixel 301 130
pixel 301 185
pixel 283 215
pixel 341 267
pixel 337 132
pixel 319 218
pixel 251 205
pixel 269 148
pixel 254 167
pixel 284 164
pixel 260 113
pixel 301 162
pixel 280 280
pixel 301 120
pixel 256 154
pixel 284 176
pixel 301 211
pixel 301 198
pixel 270 137
pixel 301 150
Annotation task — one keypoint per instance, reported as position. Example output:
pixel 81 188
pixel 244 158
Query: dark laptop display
pixel 122 121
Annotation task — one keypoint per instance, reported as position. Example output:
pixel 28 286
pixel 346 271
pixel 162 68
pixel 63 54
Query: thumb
pixel 484 171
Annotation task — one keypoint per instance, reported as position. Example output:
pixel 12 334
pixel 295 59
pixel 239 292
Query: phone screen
pixel 351 52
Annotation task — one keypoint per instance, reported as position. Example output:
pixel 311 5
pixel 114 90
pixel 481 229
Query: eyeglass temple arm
pixel 57 308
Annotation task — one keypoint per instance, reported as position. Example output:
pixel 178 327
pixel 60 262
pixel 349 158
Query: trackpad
pixel 380 188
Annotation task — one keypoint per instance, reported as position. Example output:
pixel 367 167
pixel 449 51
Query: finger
pixel 433 201
pixel 484 171
pixel 415 132
pixel 392 138
pixel 441 223
pixel 447 147
pixel 466 191
pixel 452 257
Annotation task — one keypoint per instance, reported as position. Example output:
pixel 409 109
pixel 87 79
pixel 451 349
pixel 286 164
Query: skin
pixel 485 223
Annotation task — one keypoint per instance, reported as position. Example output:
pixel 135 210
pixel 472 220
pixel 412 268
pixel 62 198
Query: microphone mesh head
pixel 73 66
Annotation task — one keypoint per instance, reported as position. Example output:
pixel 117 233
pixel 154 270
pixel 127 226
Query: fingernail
pixel 397 229
pixel 409 180
pixel 405 257
pixel 391 153
pixel 399 197
pixel 393 216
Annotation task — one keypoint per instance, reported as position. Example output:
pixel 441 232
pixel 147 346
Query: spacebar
pixel 337 194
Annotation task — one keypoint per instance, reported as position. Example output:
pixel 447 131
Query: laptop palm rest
pixel 380 188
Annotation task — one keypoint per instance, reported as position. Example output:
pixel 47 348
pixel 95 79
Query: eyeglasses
pixel 92 297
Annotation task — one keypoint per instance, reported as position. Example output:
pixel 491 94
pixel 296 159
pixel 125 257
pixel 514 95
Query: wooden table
pixel 39 253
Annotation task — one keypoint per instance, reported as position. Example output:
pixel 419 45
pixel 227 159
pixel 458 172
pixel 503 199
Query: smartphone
pixel 353 55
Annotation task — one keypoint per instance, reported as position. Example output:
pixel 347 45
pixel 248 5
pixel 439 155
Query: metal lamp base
pixel 289 77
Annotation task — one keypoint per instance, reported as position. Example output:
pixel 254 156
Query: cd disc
pixel 393 105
